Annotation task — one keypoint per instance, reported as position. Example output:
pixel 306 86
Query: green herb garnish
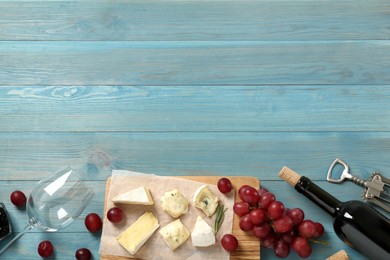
pixel 219 217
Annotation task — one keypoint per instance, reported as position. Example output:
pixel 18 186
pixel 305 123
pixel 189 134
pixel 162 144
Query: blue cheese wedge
pixel 139 195
pixel 202 234
pixel 174 234
pixel 174 203
pixel 138 233
pixel 206 200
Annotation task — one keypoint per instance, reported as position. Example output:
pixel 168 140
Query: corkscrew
pixel 377 187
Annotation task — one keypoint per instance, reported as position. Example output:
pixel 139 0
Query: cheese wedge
pixel 203 234
pixel 174 203
pixel 139 195
pixel 206 200
pixel 138 233
pixel 174 234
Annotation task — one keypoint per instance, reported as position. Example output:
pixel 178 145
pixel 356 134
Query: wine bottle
pixel 355 222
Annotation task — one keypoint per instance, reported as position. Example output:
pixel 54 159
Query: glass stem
pixel 10 243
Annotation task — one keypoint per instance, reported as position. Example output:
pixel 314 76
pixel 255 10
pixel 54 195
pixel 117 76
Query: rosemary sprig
pixel 219 217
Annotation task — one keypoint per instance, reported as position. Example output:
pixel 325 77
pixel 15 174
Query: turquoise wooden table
pixel 191 88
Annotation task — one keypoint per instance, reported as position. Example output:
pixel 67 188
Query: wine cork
pixel 289 176
pixel 340 255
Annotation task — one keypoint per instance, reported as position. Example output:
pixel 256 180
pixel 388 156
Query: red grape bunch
pixel 275 225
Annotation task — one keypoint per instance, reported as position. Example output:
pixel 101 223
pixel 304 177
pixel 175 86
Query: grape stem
pixel 322 242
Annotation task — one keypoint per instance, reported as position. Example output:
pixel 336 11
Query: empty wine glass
pixel 55 202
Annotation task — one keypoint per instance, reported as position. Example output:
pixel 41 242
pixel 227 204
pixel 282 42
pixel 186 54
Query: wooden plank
pixel 194 63
pixel 249 246
pixel 26 247
pixel 193 20
pixel 30 156
pixel 195 108
pixel 347 191
pixel 191 88
pixel 19 216
pixel 286 194
pixel 66 245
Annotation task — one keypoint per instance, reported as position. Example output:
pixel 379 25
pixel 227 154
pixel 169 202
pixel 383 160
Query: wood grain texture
pixel 249 246
pixel 30 156
pixel 284 192
pixel 185 87
pixel 76 236
pixel 194 63
pixel 212 108
pixel 194 20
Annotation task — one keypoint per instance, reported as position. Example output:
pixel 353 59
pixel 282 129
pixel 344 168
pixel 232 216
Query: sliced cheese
pixel 203 234
pixel 139 195
pixel 206 200
pixel 138 233
pixel 174 203
pixel 174 234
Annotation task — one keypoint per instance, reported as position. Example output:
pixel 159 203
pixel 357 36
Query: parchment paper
pixel 155 247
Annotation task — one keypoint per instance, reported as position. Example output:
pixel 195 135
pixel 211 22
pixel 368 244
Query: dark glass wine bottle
pixel 355 222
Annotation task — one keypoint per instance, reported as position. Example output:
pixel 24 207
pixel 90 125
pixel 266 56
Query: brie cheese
pixel 174 234
pixel 174 203
pixel 138 233
pixel 206 200
pixel 139 195
pixel 203 234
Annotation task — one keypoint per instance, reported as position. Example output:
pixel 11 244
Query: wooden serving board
pixel 249 246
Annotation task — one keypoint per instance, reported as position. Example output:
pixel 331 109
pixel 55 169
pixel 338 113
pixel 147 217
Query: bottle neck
pixel 319 196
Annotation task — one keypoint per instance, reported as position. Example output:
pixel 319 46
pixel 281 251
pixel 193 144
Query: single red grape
pixel 224 185
pixel 266 199
pixel 307 229
pixel 283 224
pixel 275 209
pixel 241 208
pixel 115 215
pixel 257 216
pixel 93 222
pixel 45 248
pixel 242 190
pixel 281 249
pixel 319 229
pixel 261 231
pixel 83 254
pixel 301 246
pixel 297 215
pixel 251 196
pixel 245 223
pixel 18 198
pixel 229 242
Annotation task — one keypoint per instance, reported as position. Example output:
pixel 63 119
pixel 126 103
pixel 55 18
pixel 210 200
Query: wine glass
pixel 55 202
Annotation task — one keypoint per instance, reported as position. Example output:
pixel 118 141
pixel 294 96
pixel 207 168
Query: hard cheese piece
pixel 203 234
pixel 139 232
pixel 206 200
pixel 139 195
pixel 174 234
pixel 174 203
